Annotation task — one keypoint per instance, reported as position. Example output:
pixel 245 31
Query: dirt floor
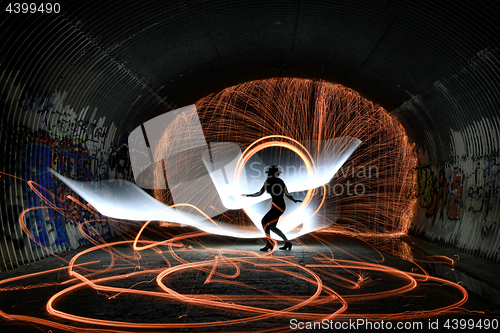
pixel 188 281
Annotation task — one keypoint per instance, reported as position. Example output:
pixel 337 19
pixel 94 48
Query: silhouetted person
pixel 277 189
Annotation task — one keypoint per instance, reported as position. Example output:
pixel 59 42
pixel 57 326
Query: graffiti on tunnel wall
pixel 484 188
pixel 478 186
pixel 51 134
pixel 440 195
pixel 49 228
pixel 58 232
pixel 55 230
pixel 460 203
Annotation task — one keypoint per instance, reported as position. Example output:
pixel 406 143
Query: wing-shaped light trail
pixel 122 199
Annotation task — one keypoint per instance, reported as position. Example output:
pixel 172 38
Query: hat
pixel 273 169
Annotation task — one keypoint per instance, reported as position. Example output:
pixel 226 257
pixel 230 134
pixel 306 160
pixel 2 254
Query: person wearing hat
pixel 277 189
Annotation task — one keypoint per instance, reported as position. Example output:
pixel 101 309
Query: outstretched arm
pixel 289 196
pixel 256 194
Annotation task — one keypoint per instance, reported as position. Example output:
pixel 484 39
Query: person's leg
pixel 273 228
pixel 270 219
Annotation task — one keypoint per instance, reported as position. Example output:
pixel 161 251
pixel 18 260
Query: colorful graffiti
pixel 425 182
pixel 437 194
pixel 55 230
pixel 51 135
pixel 59 232
pixel 460 205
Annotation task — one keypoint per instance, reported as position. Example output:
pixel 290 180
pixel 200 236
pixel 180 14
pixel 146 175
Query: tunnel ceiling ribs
pixel 388 51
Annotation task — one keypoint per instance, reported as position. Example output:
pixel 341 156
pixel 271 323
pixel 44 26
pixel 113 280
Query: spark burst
pixel 307 110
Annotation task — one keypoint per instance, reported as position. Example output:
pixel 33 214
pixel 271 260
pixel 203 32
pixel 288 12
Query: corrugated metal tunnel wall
pixel 458 177
pixel 74 81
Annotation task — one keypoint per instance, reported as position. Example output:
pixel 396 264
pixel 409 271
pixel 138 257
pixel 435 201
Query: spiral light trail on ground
pixel 336 284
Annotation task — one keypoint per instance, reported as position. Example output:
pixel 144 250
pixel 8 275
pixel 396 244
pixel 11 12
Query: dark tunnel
pixel 77 78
